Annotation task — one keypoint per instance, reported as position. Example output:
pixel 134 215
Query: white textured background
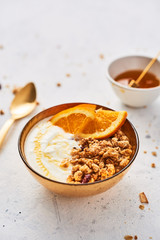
pixel 42 41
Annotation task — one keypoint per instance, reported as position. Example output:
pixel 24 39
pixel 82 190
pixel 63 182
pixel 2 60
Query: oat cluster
pixel 99 159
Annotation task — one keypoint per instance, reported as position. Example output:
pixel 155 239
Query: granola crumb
pixel 37 103
pixel 153 165
pixel 1 47
pixel 101 56
pixel 64 163
pixel 58 84
pixel 145 152
pixel 68 74
pixel 150 237
pixel 7 86
pixel 15 90
pixel 0 86
pixel 156 147
pixel 1 112
pixel 135 237
pixel 154 154
pixel 143 198
pixel 128 237
pixel 141 207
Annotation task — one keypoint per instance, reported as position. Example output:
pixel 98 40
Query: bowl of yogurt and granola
pixel 78 149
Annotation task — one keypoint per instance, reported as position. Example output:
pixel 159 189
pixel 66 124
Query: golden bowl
pixel 76 190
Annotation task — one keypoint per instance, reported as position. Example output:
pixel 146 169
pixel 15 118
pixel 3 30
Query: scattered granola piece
pixel 128 237
pixel 16 90
pixel 135 237
pixel 37 103
pixel 143 198
pixel 150 237
pixel 58 84
pixel 101 56
pixel 7 86
pixel 156 147
pixel 154 154
pixel 68 74
pixel 0 86
pixel 153 165
pixel 141 207
pixel 1 112
pixel 1 47
pixel 145 152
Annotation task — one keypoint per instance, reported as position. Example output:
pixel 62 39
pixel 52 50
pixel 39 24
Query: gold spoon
pixel 134 83
pixel 23 104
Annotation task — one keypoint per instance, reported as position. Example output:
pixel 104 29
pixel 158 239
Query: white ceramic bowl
pixel 134 97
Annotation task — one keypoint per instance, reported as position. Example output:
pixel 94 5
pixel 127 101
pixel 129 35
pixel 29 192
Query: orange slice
pixel 104 125
pixel 73 118
pixel 83 120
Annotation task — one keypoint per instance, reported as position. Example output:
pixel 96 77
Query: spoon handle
pixel 4 129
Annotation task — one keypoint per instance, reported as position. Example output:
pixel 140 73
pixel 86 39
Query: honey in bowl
pixel 148 81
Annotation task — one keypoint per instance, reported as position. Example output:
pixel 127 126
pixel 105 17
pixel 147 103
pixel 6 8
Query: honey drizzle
pixel 38 153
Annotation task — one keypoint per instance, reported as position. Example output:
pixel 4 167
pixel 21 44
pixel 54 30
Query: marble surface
pixel 42 41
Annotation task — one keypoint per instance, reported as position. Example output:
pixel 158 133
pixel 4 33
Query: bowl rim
pixel 126 87
pixel 65 183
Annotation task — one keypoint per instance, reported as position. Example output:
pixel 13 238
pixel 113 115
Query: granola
pixel 154 154
pixel 128 237
pixel 153 165
pixel 15 90
pixel 96 160
pixel 58 84
pixel 141 207
pixel 143 198
pixel 1 112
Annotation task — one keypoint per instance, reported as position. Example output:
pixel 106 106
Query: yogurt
pixel 45 148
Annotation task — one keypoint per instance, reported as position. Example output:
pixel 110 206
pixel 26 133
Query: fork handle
pixel 4 130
